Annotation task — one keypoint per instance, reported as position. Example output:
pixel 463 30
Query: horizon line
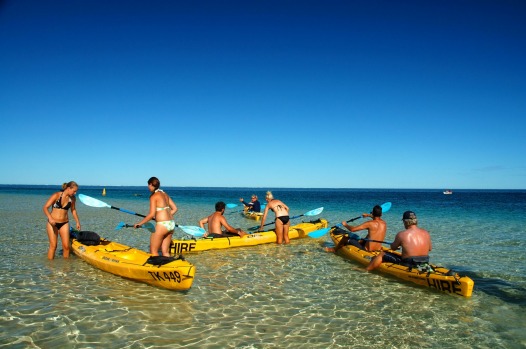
pixel 263 188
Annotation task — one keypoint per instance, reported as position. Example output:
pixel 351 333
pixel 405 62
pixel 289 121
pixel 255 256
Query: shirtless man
pixel 376 229
pixel 415 243
pixel 216 220
pixel 282 218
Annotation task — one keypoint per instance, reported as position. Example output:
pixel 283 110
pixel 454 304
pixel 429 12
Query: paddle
pixel 231 205
pixel 319 233
pixel 192 230
pixel 382 242
pixel 148 226
pixel 189 229
pixel 314 212
pixel 89 201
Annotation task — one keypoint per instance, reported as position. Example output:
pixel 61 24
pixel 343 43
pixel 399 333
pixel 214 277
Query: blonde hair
pixel 269 195
pixel 71 184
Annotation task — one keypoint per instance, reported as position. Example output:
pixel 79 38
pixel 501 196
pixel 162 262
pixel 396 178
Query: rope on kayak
pixel 111 251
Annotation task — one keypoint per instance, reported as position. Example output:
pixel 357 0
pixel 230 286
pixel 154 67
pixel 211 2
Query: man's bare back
pixel 415 241
pixel 376 230
pixel 216 221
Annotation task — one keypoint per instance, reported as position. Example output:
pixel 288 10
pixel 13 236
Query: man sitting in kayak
pixel 216 220
pixel 253 205
pixel 415 243
pixel 376 229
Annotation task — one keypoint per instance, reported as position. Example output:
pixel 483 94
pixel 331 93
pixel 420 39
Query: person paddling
pixel 376 229
pixel 253 205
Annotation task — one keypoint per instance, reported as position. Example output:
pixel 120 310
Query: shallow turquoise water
pixel 268 296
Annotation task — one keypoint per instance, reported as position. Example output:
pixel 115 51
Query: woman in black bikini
pixel 282 218
pixel 58 219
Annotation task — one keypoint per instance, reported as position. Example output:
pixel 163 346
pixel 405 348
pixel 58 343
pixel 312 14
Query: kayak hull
pixel 257 238
pixel 131 263
pixel 442 279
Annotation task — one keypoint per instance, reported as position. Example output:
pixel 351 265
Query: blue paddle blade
pixel 231 205
pixel 192 230
pixel 386 207
pixel 120 226
pixel 314 212
pixel 89 201
pixel 149 226
pixel 318 233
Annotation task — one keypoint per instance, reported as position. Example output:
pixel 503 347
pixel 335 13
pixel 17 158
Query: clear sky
pixel 329 94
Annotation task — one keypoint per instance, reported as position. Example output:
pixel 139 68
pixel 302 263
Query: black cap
pixel 409 215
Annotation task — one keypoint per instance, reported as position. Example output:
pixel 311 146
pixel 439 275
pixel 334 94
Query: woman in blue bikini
pixel 282 218
pixel 162 209
pixel 58 219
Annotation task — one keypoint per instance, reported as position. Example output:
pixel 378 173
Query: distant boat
pixel 448 192
pixel 104 192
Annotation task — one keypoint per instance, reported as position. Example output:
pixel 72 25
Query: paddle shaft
pixel 319 233
pixel 257 227
pixel 385 207
pixel 350 220
pixel 382 242
pixel 131 226
pixel 353 219
pixel 128 211
pixel 97 203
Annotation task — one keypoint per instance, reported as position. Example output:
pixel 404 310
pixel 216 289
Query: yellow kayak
pixel 203 244
pixel 251 215
pixel 131 263
pixel 437 278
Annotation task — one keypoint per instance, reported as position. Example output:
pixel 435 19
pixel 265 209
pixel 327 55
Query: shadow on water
pixel 506 291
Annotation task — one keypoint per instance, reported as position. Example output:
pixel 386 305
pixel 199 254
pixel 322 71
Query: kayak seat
pixel 88 238
pixel 162 260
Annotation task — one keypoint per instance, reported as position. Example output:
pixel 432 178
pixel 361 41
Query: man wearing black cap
pixel 415 243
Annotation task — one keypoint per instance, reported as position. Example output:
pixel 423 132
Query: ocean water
pixel 268 296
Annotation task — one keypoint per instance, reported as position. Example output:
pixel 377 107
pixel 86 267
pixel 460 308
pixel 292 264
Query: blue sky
pixel 331 94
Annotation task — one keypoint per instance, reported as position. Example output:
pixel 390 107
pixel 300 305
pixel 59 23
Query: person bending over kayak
pixel 376 229
pixel 415 243
pixel 253 205
pixel 217 220
pixel 282 218
pixel 162 209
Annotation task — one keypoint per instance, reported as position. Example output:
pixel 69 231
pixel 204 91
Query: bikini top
pixel 160 208
pixel 58 203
